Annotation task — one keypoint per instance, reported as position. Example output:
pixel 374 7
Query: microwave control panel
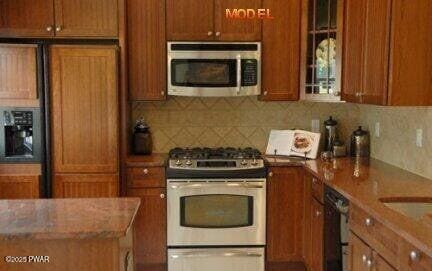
pixel 249 69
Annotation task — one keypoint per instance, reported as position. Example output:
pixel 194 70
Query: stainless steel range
pixel 216 209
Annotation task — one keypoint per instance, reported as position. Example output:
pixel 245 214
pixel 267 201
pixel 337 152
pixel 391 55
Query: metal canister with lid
pixel 330 134
pixel 360 143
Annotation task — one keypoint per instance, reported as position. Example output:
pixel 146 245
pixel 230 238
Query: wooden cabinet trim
pixel 146 177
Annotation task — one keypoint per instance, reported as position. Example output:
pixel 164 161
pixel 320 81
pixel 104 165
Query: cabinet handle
pixel 369 263
pixel 59 28
pixel 265 93
pixel 369 222
pixel 162 196
pixel 145 171
pixel 218 34
pixel 318 213
pixel 364 258
pixel 209 33
pixel 162 93
pixel 314 181
pixel 270 174
pixel 49 28
pixel 337 93
pixel 415 256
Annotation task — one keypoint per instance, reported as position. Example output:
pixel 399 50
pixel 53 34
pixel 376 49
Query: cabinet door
pixel 84 109
pixel 376 52
pixel 359 254
pixel 147 49
pixel 281 51
pixel 23 18
pixel 85 185
pixel 236 30
pixel 18 70
pixel 380 264
pixel 83 18
pixel 190 20
pixel 284 225
pixel 317 232
pixel 150 228
pixel 354 27
pixel 19 187
pixel 411 53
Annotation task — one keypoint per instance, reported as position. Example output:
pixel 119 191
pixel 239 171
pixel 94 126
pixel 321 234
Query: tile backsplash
pixel 237 122
pixel 246 121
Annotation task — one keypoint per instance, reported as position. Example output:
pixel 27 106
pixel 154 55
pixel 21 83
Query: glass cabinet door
pixel 322 50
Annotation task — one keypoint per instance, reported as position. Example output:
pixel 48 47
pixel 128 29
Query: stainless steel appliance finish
pixel 216 259
pixel 216 212
pixel 360 143
pixel 209 69
pixel 330 134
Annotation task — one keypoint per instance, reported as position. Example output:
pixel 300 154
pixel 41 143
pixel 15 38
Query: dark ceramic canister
pixel 142 140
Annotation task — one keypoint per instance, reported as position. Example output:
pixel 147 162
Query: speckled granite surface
pixel 66 218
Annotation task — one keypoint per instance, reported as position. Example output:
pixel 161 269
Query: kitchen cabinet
pixel 23 18
pixel 148 183
pixel 313 235
pixel 383 40
pixel 284 225
pixel 147 48
pixel 189 20
pixel 19 186
pixel 281 51
pixel 84 114
pixel 59 18
pixel 366 51
pixel 18 80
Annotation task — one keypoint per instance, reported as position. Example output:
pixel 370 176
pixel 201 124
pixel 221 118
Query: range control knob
pixel 188 162
pixel 243 162
pixel 254 162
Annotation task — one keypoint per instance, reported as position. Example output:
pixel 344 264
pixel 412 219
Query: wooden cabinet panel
pixel 376 52
pixel 354 27
pixel 18 75
pixel 423 262
pixel 317 189
pixel 147 49
pixel 236 30
pixel 307 236
pixel 23 18
pixel 85 185
pixel 146 177
pixel 359 253
pixel 84 109
pixel 317 235
pixel 284 225
pixel 411 53
pixel 150 228
pixel 190 20
pixel 380 264
pixel 19 187
pixel 281 51
pixel 83 18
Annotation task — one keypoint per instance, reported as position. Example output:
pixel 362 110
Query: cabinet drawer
pixel 317 189
pixel 146 177
pixel 373 232
pixel 413 259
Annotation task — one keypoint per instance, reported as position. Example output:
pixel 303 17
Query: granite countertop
pixel 66 218
pixel 369 182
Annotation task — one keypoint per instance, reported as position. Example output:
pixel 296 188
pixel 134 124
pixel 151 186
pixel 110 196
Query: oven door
pixel 216 212
pixel 216 259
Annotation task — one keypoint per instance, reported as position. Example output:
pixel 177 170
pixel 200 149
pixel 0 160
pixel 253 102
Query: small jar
pixel 142 140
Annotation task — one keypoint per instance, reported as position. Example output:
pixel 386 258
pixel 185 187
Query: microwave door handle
pixel 239 72
pixel 198 185
pixel 208 254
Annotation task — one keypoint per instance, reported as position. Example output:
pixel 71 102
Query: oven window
pixel 216 211
pixel 203 72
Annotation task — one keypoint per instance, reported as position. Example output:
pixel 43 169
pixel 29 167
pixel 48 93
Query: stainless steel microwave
pixel 209 69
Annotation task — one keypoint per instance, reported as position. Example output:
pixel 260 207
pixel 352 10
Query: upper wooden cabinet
pixel 284 225
pixel 147 49
pixel 84 109
pixel 21 18
pixel 281 51
pixel 59 18
pixel 386 49
pixel 18 80
pixel 190 20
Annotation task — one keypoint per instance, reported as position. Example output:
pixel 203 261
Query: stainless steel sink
pixel 414 207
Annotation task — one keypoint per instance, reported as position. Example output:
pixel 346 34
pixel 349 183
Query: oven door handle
pixel 239 73
pixel 208 254
pixel 209 185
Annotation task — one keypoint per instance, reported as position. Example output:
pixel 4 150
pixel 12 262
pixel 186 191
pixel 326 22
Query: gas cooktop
pixel 215 163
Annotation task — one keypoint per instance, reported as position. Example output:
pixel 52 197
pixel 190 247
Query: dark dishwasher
pixel 335 230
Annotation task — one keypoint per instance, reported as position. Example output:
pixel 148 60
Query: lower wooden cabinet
pixel 284 214
pixel 85 185
pixel 19 186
